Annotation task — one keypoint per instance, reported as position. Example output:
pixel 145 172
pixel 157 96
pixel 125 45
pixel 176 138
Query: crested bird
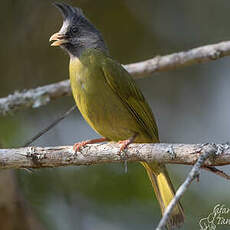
pixel 109 99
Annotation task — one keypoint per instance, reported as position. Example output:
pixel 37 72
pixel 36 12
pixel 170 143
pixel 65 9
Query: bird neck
pixel 76 50
pixel 88 55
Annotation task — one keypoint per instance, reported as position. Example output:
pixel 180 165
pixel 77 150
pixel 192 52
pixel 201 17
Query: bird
pixel 109 100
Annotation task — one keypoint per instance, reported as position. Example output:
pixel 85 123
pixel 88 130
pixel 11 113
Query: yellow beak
pixel 58 39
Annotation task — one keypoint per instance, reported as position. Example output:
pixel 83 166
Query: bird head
pixel 77 32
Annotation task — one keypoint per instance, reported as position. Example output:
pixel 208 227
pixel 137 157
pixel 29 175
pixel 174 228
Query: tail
pixel 164 191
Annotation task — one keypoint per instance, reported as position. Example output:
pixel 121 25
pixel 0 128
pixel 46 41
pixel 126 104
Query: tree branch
pixel 185 58
pixel 34 98
pixel 39 157
pixel 43 95
pixel 194 173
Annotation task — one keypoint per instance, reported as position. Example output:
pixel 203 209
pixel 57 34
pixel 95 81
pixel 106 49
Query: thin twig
pixel 45 130
pixel 40 96
pixel 194 173
pixel 217 172
pixel 40 157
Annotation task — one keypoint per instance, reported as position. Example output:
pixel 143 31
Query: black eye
pixel 74 30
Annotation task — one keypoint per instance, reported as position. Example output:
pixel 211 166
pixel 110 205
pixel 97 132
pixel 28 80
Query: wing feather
pixel 126 89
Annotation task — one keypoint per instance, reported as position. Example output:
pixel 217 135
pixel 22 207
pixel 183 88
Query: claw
pixel 124 145
pixel 77 146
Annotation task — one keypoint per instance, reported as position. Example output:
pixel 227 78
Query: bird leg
pixel 78 145
pixel 124 146
pixel 126 143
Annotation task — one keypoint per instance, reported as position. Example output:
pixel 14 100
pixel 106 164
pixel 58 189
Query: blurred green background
pixel 191 105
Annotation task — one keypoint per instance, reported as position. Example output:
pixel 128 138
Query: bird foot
pixel 77 146
pixel 124 145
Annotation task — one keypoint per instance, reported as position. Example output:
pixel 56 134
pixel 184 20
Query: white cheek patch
pixel 64 26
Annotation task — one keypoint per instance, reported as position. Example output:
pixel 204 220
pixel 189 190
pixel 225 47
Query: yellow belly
pixel 100 106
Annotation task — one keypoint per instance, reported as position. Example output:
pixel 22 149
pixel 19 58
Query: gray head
pixel 77 32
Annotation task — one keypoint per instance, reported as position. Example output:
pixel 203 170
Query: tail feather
pixel 164 191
